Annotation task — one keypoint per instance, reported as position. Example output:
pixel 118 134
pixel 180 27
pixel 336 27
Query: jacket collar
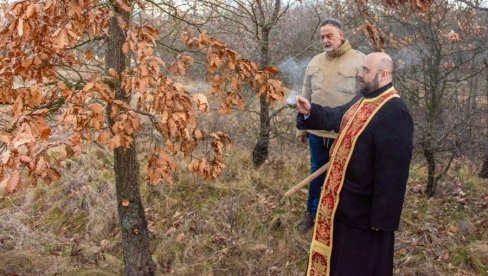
pixel 339 51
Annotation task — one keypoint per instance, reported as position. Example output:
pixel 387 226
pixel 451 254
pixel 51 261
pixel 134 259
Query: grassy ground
pixel 237 225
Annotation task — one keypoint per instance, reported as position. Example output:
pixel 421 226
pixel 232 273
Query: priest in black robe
pixel 370 196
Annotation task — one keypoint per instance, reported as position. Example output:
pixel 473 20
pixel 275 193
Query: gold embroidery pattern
pixel 353 123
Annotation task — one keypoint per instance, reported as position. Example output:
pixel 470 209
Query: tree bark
pixel 431 178
pixel 135 235
pixel 260 152
pixel 484 169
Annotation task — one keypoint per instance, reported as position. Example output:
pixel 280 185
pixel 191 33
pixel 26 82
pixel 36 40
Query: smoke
pixel 406 58
pixel 292 71
pixel 291 98
pixel 196 87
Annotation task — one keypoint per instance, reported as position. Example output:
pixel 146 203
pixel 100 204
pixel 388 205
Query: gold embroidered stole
pixel 353 123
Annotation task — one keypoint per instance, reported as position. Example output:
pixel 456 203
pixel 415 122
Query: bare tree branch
pixel 472 5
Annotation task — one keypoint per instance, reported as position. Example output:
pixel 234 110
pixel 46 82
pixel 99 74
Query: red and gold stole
pixel 353 123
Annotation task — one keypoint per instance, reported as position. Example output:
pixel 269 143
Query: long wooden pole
pixel 304 182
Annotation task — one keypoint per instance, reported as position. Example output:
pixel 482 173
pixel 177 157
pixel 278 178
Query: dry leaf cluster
pixel 52 117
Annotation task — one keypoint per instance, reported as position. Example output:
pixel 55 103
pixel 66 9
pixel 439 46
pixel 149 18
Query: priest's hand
pixel 303 106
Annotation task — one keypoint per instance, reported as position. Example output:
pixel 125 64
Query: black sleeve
pixel 393 135
pixel 324 117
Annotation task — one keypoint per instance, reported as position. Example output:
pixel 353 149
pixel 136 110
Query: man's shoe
pixel 306 223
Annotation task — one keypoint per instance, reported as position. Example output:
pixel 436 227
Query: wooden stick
pixel 304 182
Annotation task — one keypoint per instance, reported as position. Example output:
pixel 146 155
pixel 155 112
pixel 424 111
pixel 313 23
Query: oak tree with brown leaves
pixel 59 96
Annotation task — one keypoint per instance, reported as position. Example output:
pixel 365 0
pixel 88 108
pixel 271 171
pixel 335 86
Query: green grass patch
pixel 466 258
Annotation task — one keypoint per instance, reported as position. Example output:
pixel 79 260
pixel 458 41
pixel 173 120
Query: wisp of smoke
pixel 292 71
pixel 291 98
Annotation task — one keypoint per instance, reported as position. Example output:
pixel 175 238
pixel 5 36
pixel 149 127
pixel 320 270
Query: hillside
pixel 237 225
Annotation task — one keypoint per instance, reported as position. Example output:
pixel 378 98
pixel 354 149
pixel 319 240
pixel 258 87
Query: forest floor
pixel 236 225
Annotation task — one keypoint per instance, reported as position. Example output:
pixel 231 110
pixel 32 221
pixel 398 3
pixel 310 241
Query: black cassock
pixel 371 199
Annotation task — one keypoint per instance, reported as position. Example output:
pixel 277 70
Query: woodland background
pixel 118 113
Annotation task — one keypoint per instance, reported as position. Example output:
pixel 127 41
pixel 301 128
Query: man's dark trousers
pixel 319 156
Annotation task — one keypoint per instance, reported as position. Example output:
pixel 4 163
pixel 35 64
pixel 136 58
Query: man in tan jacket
pixel 330 80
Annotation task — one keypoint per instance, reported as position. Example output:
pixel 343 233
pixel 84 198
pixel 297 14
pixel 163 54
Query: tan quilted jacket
pixel 330 80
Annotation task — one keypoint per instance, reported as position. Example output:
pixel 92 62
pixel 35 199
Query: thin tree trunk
pixel 260 152
pixel 431 178
pixel 484 169
pixel 135 235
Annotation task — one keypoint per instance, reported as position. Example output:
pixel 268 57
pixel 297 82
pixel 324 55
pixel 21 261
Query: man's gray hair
pixel 331 21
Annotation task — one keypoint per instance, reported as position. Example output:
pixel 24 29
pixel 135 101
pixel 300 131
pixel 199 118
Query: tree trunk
pixel 431 178
pixel 484 169
pixel 260 152
pixel 135 235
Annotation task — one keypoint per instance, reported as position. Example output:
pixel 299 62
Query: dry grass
pixel 72 221
pixel 237 225
pixel 234 226
pixel 445 235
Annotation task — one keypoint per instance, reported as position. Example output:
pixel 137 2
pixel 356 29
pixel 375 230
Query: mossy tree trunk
pixel 135 234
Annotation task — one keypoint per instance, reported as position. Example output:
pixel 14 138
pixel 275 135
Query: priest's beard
pixel 370 87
